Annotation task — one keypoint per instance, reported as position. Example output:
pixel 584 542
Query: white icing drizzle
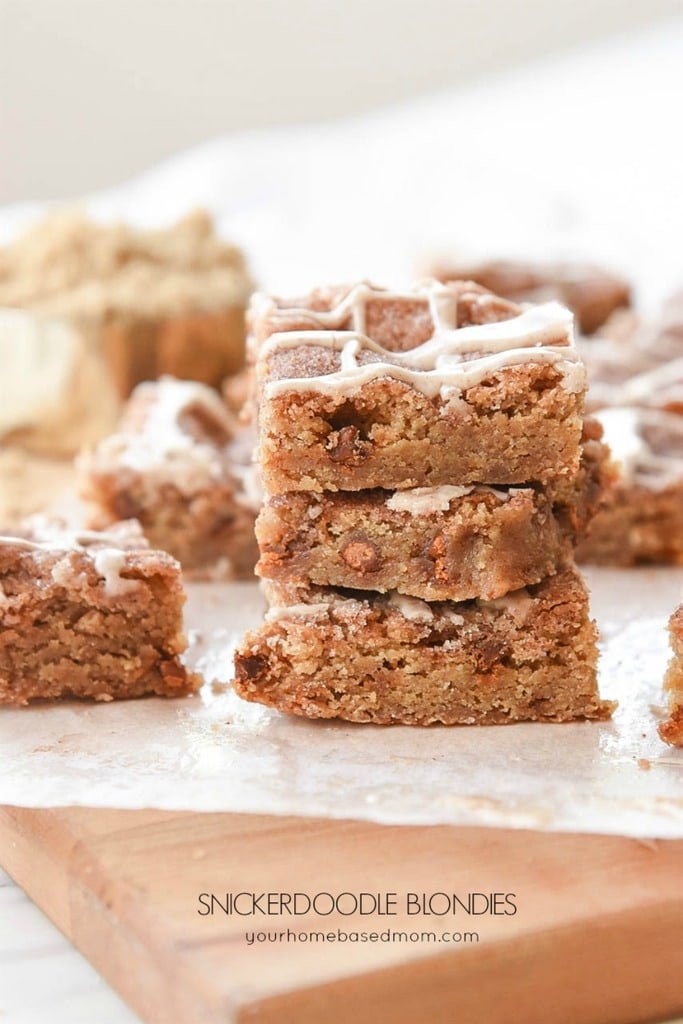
pixel 297 611
pixel 108 557
pixel 108 563
pixel 57 539
pixel 625 432
pixel 424 500
pixel 451 361
pixel 502 495
pixel 161 448
pixel 427 500
pixel 411 608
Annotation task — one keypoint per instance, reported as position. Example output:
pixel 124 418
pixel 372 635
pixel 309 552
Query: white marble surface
pixel 42 977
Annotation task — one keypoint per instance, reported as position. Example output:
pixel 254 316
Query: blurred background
pixel 94 92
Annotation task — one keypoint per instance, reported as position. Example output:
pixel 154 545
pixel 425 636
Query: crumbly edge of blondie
pixel 103 622
pixel 530 656
pixel 671 729
pixel 68 265
pixel 211 532
pixel 637 526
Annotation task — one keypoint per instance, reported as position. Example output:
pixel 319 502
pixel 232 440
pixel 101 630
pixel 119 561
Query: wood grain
pixel 597 939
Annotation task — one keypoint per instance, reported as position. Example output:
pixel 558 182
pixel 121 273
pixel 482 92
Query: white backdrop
pixel 576 155
pixel 92 91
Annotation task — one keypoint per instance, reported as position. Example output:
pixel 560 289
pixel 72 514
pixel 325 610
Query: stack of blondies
pixel 427 473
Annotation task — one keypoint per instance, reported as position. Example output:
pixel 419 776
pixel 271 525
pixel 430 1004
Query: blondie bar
pixel 435 543
pixel 445 543
pixel 87 614
pixel 671 730
pixel 626 373
pixel 181 465
pixel 591 292
pixel 362 388
pixel 391 659
pixel 642 518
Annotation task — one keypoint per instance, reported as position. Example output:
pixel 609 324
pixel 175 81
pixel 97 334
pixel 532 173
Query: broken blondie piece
pixel 362 388
pixel 181 465
pixel 85 614
pixel 642 517
pixel 88 310
pixel 671 730
pixel 390 659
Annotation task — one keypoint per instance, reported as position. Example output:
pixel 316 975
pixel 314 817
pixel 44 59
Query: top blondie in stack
pixel 426 479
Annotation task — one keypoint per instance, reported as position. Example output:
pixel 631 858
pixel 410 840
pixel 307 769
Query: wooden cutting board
pixel 597 937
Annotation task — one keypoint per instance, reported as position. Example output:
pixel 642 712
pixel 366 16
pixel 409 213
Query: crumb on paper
pixel 218 688
pixel 644 763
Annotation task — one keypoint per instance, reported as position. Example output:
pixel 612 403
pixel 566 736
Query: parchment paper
pixel 215 752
